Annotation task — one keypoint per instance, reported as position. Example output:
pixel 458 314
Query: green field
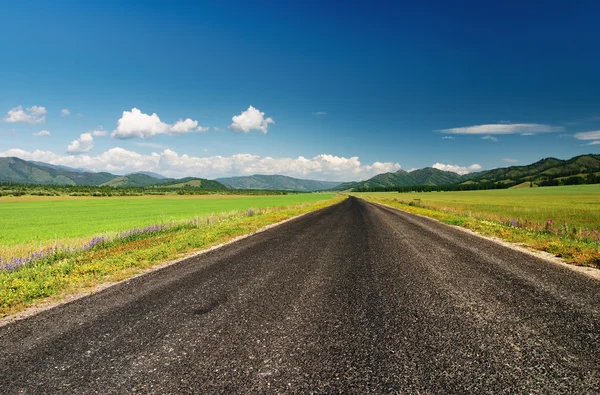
pixel 577 205
pixel 564 220
pixel 40 221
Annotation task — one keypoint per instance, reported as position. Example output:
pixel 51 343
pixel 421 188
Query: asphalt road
pixel 354 298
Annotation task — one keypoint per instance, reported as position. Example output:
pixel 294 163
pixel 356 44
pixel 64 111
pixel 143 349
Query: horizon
pixel 217 90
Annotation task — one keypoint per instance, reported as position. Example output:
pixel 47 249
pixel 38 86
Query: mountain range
pixel 20 171
pixel 277 182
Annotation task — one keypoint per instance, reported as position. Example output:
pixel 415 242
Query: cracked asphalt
pixel 355 298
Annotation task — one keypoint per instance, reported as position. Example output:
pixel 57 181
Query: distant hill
pixel 20 171
pixel 401 178
pixel 193 182
pixel 24 172
pixel 149 173
pixel 277 182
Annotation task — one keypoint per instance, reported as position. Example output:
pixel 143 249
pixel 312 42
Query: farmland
pixel 43 220
pixel 577 205
pixel 563 220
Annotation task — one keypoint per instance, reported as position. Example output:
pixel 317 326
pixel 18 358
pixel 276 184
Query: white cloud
pixel 216 129
pixel 136 124
pixel 202 129
pixel 121 161
pixel 84 143
pixel 456 168
pixel 319 113
pixel 594 142
pixel 65 112
pixel 594 135
pixel 99 132
pixel 33 115
pixel 448 137
pixel 492 138
pixel 42 133
pixel 504 128
pixel 181 126
pixel 251 119
pixel 510 160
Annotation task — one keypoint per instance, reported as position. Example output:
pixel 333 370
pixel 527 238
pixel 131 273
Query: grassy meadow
pixel 563 220
pixel 66 271
pixel 29 223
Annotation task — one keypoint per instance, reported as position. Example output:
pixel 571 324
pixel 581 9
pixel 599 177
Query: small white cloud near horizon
pixel 32 115
pixel 492 138
pixel 593 135
pixel 251 119
pixel 216 129
pixel 456 168
pixel 117 160
pixel 449 137
pixel 65 112
pixel 42 133
pixel 504 128
pixel 319 113
pixel 510 160
pixel 84 143
pixel 594 142
pixel 136 124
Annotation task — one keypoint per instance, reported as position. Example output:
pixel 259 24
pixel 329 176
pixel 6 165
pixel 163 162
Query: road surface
pixel 354 298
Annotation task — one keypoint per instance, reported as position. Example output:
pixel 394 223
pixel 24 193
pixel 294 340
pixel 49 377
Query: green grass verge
pixel 30 224
pixel 66 273
pixel 569 245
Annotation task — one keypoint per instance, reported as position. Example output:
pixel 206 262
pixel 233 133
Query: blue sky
pixel 343 90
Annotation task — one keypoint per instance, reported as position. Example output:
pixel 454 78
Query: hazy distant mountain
pixel 277 182
pixel 67 168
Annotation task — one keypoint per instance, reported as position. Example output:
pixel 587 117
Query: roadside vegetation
pixel 8 190
pixel 564 221
pixel 50 269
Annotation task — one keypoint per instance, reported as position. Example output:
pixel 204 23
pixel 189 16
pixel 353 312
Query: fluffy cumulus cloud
pixel 65 112
pixel 504 128
pixel 456 168
pixel 136 124
pixel 170 163
pixel 251 119
pixel 32 115
pixel 42 133
pixel 84 143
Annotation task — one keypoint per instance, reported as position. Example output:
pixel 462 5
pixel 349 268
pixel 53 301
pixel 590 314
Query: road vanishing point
pixel 354 298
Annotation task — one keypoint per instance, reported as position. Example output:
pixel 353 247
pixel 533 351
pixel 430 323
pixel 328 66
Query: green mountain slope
pixel 277 182
pixel 20 171
pixel 548 168
pixel 426 176
pixel 23 172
